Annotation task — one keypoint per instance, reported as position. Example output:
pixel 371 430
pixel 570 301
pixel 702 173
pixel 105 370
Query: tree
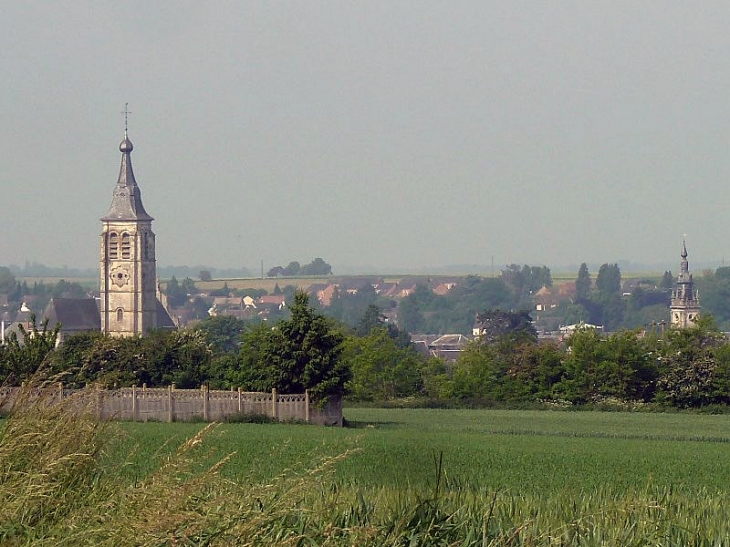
pixel 205 275
pixel 276 271
pixel 316 267
pixel 689 364
pixel 292 269
pixel 608 281
pixel 526 279
pixel 21 358
pixel 496 324
pixel 583 283
pixel 381 369
pixel 667 281
pixel 223 332
pixel 7 280
pixel 299 353
pixel 176 295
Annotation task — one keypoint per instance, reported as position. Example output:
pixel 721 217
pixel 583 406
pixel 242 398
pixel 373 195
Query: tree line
pixel 375 361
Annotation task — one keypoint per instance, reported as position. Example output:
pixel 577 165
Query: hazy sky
pixel 388 134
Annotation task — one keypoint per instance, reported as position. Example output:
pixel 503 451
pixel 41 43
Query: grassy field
pixel 518 451
pixel 414 478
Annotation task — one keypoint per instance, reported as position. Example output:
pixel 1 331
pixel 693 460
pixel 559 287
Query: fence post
pixel 60 392
pixel 205 402
pixel 274 404
pixel 240 405
pixel 306 405
pixel 170 405
pixel 134 403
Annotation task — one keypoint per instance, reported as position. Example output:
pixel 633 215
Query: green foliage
pixel 176 296
pixel 223 332
pixel 667 281
pixel 7 280
pixel 496 324
pixel 160 358
pixel 525 280
pixel 316 267
pixel 297 354
pixel 381 370
pixel 608 281
pixel 689 365
pixel 350 308
pixel 583 283
pixel 423 311
pixel 205 275
pixel 22 357
pixel 574 479
pixel 617 366
pixel 715 291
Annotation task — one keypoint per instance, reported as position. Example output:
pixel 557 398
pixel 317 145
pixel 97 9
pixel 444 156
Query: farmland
pixel 398 477
pixel 516 451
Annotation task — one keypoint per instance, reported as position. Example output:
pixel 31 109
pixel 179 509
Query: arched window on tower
pixel 120 315
pixel 126 246
pixel 146 246
pixel 113 250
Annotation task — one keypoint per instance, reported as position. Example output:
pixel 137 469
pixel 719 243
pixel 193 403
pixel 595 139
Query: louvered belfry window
pixel 113 245
pixel 126 246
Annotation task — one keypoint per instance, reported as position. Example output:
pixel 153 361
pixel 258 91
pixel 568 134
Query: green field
pixel 518 451
pixel 415 478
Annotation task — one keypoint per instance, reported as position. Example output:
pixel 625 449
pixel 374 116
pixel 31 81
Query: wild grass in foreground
pixel 56 489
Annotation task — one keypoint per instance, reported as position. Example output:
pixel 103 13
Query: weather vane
pixel 126 114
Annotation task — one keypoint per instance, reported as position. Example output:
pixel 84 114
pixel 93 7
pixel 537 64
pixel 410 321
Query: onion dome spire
pixel 127 198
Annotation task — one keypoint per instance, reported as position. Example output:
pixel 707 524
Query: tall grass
pixel 56 488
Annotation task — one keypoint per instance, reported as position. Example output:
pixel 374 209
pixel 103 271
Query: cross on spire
pixel 126 113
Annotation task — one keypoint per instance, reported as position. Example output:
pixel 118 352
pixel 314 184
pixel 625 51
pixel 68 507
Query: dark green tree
pixel 223 332
pixel 316 267
pixel 176 295
pixel 497 324
pixel 667 281
pixel 381 370
pixel 689 364
pixel 7 280
pixel 299 353
pixel 22 356
pixel 583 283
pixel 608 281
pixel 292 269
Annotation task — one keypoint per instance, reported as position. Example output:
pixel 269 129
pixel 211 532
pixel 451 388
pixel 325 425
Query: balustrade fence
pixel 183 405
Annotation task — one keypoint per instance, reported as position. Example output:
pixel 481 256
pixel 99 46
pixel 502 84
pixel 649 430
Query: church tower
pixel 128 273
pixel 685 307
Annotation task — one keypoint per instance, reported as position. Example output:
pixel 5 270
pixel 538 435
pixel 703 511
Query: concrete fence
pixel 184 405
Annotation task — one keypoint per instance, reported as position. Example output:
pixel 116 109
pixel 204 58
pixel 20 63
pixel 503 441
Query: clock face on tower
pixel 119 276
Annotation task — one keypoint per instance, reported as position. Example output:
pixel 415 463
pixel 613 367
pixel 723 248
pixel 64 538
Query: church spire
pixel 127 198
pixel 685 306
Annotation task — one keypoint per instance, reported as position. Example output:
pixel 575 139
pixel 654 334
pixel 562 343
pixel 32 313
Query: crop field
pixel 395 478
pixel 523 452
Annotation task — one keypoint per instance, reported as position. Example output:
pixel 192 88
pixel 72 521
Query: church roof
pixel 127 199
pixel 164 321
pixel 74 314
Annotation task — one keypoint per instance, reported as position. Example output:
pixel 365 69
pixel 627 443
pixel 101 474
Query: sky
pixel 377 135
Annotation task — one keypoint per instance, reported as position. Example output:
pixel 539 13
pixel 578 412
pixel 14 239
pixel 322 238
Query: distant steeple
pixel 127 198
pixel 685 306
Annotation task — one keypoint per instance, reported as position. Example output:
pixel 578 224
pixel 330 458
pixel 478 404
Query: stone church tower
pixel 128 274
pixel 685 307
